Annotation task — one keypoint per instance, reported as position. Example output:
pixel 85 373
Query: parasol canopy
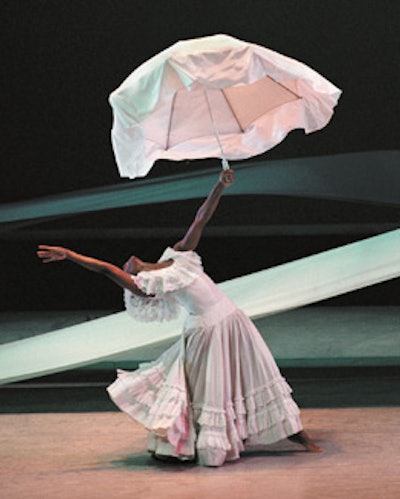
pixel 214 97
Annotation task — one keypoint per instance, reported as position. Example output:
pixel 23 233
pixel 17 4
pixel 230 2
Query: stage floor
pixel 61 437
pixel 103 455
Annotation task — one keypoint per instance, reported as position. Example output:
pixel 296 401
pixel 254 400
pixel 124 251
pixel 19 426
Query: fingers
pixel 50 254
pixel 42 253
pixel 47 260
pixel 45 256
pixel 43 249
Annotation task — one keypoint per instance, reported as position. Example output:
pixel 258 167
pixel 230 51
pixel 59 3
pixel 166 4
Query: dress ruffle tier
pixel 156 396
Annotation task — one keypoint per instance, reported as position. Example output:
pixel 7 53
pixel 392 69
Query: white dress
pixel 218 387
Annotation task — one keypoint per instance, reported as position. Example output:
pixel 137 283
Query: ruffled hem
pixel 159 402
pixel 238 396
pixel 261 417
pixel 156 406
pixel 185 269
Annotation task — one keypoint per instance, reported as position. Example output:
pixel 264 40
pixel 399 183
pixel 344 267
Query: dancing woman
pixel 218 387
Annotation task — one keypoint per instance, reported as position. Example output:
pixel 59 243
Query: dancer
pixel 218 387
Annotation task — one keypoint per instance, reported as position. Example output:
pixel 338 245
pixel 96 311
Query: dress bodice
pixel 198 296
pixel 183 283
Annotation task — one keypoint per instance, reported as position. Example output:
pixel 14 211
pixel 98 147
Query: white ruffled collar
pixel 185 269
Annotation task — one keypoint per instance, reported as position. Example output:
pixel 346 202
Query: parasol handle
pixel 225 164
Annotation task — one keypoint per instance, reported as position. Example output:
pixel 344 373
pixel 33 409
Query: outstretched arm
pixel 204 213
pixel 50 254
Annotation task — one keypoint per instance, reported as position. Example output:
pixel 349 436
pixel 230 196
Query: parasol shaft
pixel 225 164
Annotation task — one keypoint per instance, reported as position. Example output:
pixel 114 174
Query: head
pixel 134 265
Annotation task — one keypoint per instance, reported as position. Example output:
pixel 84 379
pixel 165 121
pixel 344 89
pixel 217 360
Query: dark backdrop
pixel 61 59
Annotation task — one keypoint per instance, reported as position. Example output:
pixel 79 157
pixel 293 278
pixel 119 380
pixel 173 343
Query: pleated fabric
pixel 214 391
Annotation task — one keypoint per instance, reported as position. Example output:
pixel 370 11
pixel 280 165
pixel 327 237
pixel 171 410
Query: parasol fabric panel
pixel 175 104
pixel 263 293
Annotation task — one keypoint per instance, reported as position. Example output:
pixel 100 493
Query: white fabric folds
pixel 175 105
pixel 161 305
pixel 217 387
pixel 236 391
pixel 186 268
pixel 151 309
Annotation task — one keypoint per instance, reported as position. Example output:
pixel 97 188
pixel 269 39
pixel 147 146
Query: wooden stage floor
pixel 103 455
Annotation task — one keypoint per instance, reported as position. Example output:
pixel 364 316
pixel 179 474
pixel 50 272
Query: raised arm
pixel 50 254
pixel 204 213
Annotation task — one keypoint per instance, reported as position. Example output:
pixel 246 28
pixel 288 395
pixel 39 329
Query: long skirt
pixel 215 391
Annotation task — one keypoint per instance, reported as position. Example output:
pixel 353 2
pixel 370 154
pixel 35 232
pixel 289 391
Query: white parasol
pixel 214 97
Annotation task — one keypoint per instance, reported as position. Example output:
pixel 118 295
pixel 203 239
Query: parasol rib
pixel 170 120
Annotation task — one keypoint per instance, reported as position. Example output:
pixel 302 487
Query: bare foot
pixel 303 439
